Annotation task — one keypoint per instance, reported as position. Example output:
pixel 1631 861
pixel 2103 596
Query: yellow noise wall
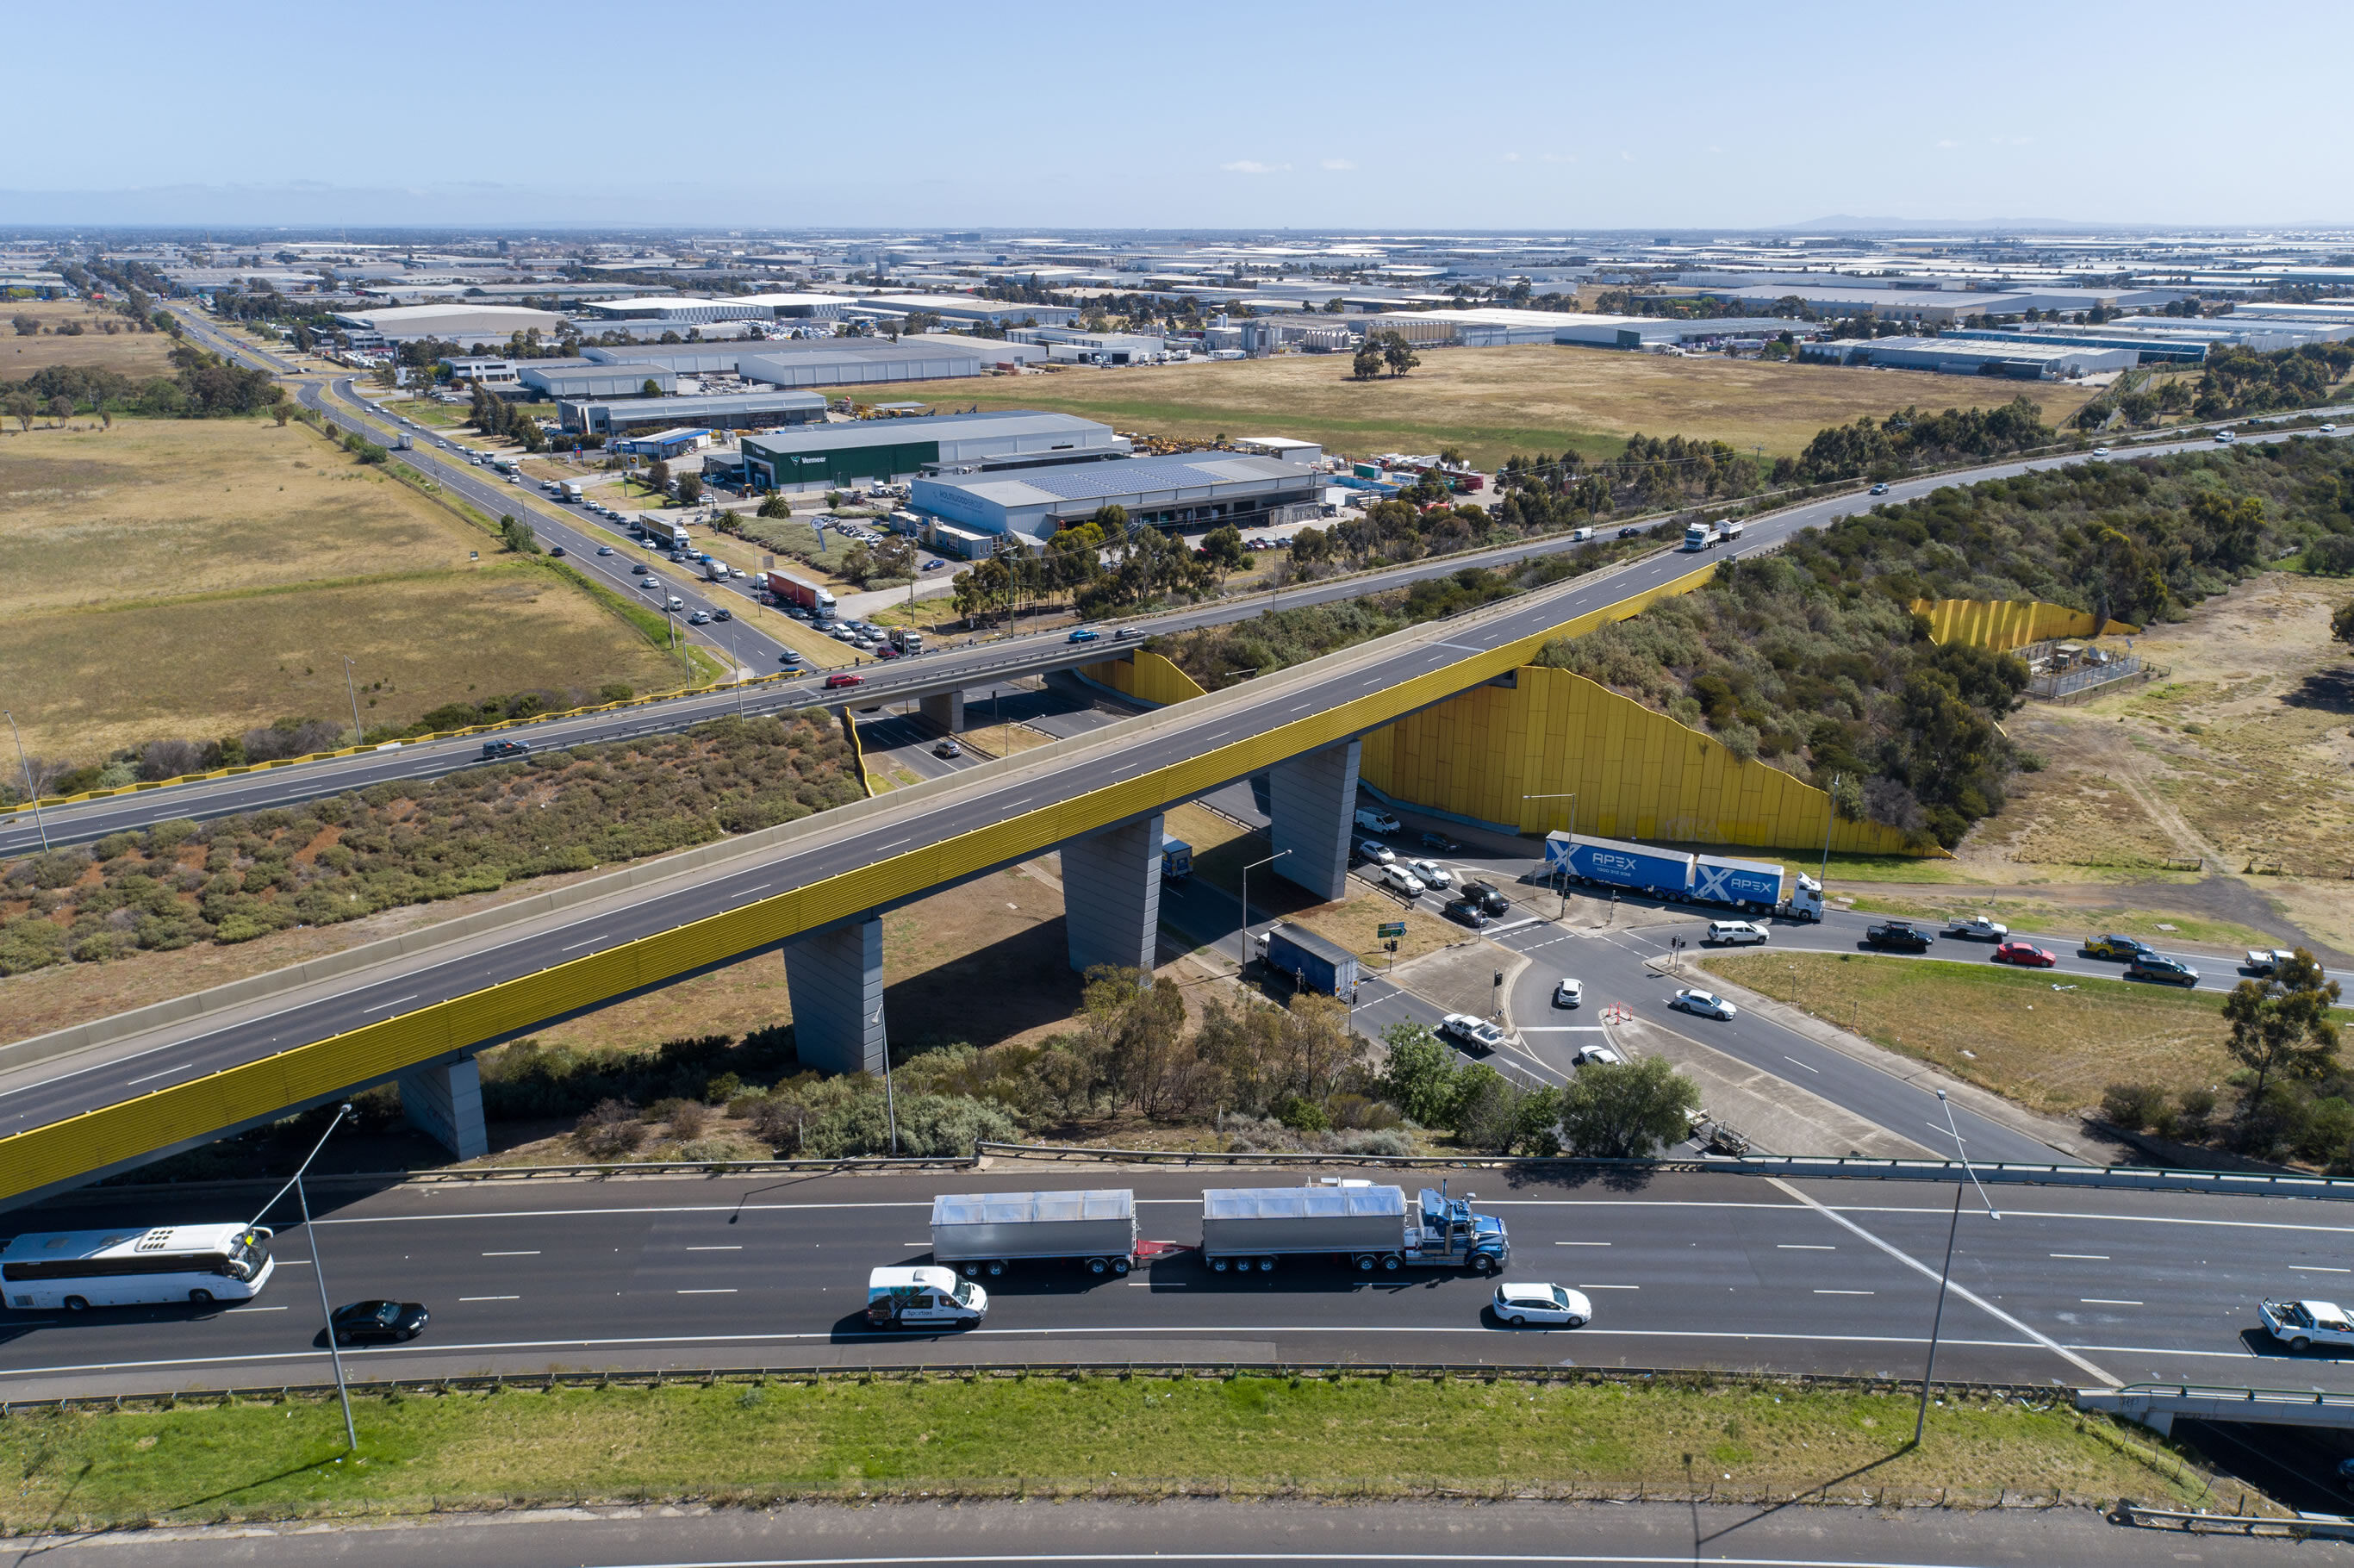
pixel 1636 774
pixel 1146 676
pixel 857 752
pixel 2003 624
pixel 93 1140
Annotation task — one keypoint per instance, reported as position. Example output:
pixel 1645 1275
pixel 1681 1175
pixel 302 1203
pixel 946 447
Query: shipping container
pixel 1607 863
pixel 1313 963
pixel 983 1231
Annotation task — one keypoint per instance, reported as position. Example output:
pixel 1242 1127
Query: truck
pixel 986 1233
pixel 792 590
pixel 503 464
pixel 1176 858
pixel 1607 862
pixel 1728 529
pixel 2301 1325
pixel 1368 1225
pixel 1752 886
pixel 2267 961
pixel 1699 537
pixel 713 569
pixel 907 640
pixel 572 494
pixel 667 535
pixel 1806 900
pixel 1313 963
pixel 1373 819
pixel 1978 929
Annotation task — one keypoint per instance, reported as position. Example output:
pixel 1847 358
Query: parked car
pixel 1463 912
pixel 1484 895
pixel 843 678
pixel 1442 844
pixel 1701 1004
pixel 1374 851
pixel 378 1322
pixel 2159 968
pixel 1433 875
pixel 1569 993
pixel 2027 955
pixel 2113 946
pixel 1401 878
pixel 948 748
pixel 1589 1055
pixel 1472 1033
pixel 1524 1304
pixel 491 748
pixel 1085 634
pixel 934 565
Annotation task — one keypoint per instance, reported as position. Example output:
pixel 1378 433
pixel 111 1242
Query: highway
pixel 1686 1269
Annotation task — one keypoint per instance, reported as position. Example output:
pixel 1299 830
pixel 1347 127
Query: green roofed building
pixel 868 451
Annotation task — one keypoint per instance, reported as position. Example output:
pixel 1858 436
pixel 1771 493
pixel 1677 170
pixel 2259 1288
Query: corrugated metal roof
pixel 1299 1202
pixel 1015 1208
pixel 1132 475
pixel 1009 423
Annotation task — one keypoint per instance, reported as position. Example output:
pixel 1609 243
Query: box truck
pixel 669 535
pixel 1313 963
pixel 985 1232
pixel 792 590
pixel 572 492
pixel 1176 858
pixel 1699 537
pixel 1369 1225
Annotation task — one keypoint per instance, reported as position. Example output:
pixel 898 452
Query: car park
pixel 2157 967
pixel 1598 1055
pixel 1569 993
pixel 378 1322
pixel 1701 1004
pixel 1441 844
pixel 2027 955
pixel 1471 1033
pixel 1374 851
pixel 494 748
pixel 2113 946
pixel 1400 878
pixel 1432 874
pixel 1485 897
pixel 1463 912
pixel 1524 1304
pixel 1735 934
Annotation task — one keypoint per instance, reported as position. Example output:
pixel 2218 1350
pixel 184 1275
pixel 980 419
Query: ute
pixel 1978 929
pixel 2301 1325
pixel 1898 935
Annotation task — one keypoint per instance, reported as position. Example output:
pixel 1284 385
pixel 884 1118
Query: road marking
pixel 1804 1247
pixel 1459 647
pixel 737 1247
pixel 1846 1292
pixel 2104 1301
pixel 164 1073
pixel 1564 1029
pixel 490 1297
pixel 532 1254
pixel 1611 1287
pixel 1581 1243
pixel 396 1001
pixel 1796 1063
pixel 257 1308
pixel 2315 1268
pixel 2088 1256
pixel 710 1291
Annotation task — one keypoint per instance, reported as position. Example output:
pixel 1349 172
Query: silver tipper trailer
pixel 1243 1226
pixel 980 1232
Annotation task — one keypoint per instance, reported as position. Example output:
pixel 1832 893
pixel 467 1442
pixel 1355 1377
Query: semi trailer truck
pixel 669 535
pixel 986 1233
pixel 1752 886
pixel 1371 1227
pixel 792 590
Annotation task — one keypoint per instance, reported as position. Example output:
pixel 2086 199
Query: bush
pixel 2332 557
pixel 611 1131
pixel 2134 1107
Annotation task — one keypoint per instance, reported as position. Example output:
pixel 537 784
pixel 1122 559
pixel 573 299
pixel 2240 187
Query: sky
pixel 1369 117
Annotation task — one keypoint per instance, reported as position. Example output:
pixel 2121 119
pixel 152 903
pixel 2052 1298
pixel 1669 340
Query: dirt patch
pixel 126 350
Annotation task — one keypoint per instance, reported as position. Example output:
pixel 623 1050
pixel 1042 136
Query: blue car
pixel 1087 634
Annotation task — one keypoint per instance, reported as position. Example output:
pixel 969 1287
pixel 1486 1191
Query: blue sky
pixel 1372 117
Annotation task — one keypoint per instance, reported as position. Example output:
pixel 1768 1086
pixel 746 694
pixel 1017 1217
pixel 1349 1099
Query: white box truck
pixel 985 1232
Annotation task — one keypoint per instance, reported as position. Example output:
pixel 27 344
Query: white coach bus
pixel 80 1270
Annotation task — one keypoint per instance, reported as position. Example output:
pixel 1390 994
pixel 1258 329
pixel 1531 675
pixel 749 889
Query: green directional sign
pixel 1391 928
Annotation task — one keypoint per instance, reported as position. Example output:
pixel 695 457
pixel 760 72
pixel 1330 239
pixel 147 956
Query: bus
pixel 80 1270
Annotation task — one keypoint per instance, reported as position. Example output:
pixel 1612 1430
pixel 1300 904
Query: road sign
pixel 1391 928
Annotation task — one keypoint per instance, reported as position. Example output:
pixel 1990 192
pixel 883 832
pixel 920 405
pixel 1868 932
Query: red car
pixel 2026 953
pixel 844 679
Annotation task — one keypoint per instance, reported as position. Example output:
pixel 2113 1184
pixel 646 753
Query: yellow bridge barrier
pixel 1146 676
pixel 2003 624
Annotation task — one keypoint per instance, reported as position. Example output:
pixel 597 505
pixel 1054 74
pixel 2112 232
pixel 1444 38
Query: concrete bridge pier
pixel 1111 897
pixel 835 979
pixel 1312 804
pixel 942 713
pixel 445 1103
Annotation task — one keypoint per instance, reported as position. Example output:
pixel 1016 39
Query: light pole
pixel 890 1100
pixel 1831 815
pixel 1953 1228
pixel 1559 886
pixel 34 794
pixel 353 690
pixel 318 1270
pixel 1246 936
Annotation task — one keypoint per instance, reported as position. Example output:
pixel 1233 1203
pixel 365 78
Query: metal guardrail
pixel 2292 1396
pixel 2303 1527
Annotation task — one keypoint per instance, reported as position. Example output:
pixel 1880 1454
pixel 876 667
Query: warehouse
pixel 468 325
pixel 678 311
pixel 2020 359
pixel 866 450
pixel 679 359
pixel 960 310
pixel 1196 491
pixel 728 411
pixel 668 445
pixel 853 361
pixel 1069 345
pixel 561 379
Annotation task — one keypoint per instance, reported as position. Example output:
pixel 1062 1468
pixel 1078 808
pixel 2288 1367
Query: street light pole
pixel 33 793
pixel 1559 886
pixel 353 690
pixel 1246 936
pixel 890 1100
pixel 318 1270
pixel 1945 1276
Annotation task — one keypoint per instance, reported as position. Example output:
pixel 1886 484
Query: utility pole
pixel 1953 1229
pixel 34 794
pixel 318 1270
pixel 353 690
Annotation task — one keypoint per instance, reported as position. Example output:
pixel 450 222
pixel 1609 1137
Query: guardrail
pixel 2303 1527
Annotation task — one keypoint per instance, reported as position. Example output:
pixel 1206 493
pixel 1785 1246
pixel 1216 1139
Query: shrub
pixel 611 1131
pixel 2134 1107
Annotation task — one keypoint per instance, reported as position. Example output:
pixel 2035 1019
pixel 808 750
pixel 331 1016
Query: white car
pixel 1703 1003
pixel 1589 1055
pixel 1403 880
pixel 1375 850
pixel 2100 451
pixel 1569 993
pixel 1433 875
pixel 2301 1325
pixel 1467 1030
pixel 2329 430
pixel 1527 1303
pixel 1735 933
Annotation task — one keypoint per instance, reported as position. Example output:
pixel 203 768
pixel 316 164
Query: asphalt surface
pixel 1684 1269
pixel 1091 1535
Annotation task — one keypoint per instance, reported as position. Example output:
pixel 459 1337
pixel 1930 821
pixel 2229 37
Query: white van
pixel 924 1296
pixel 1375 821
pixel 1735 933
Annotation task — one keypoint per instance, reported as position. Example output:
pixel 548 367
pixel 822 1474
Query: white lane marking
pixel 532 1254
pixel 589 943
pixel 1459 647
pixel 738 1247
pixel 153 1076
pixel 2104 1301
pixel 1964 1291
pixel 711 1290
pixel 1581 1243
pixel 396 1001
pixel 257 1308
pixel 2315 1268
pixel 2088 1256
pixel 1796 1063
pixel 1564 1029
pixel 1804 1247
pixel 490 1297
pixel 1611 1287
pixel 1846 1292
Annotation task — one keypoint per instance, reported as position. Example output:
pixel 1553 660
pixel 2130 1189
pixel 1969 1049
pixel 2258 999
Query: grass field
pixel 1046 1435
pixel 199 577
pixel 129 352
pixel 1492 402
pixel 2013 1031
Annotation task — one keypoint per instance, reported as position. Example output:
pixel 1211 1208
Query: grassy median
pixel 1353 1436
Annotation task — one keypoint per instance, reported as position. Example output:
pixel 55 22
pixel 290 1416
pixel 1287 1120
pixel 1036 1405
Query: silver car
pixel 1528 1302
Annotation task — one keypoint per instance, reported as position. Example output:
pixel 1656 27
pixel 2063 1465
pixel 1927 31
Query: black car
pixel 2157 967
pixel 1463 912
pixel 1483 896
pixel 1900 935
pixel 556 549
pixel 378 1322
pixel 505 748
pixel 723 615
pixel 639 568
pixel 1442 844
pixel 1630 533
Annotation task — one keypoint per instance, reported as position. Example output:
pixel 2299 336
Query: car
pixel 1630 533
pixel 1701 1004
pixel 1373 819
pixel 1735 934
pixel 1485 896
pixel 1375 850
pixel 2113 946
pixel 638 568
pixel 1591 1055
pixel 1475 1032
pixel 1979 928
pixel 2100 451
pixel 2159 968
pixel 1880 489
pixel 881 650
pixel 673 603
pixel 507 749
pixel 843 678
pixel 700 618
pixel 2027 955
pixel 1900 935
pixel 1441 842
pixel 723 614
pixel 1400 878
pixel 604 549
pixel 1125 631
pixel 1569 993
pixel 934 565
pixel 378 1322
pixel 789 657
pixel 2267 961
pixel 1525 1303
pixel 948 748
pixel 1433 875
pixel 1085 634
pixel 1463 912
pixel 2329 430
pixel 2301 1325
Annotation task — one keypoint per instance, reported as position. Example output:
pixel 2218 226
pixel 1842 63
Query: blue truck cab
pixel 1451 1232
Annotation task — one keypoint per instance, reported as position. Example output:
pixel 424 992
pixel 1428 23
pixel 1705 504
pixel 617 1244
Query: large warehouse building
pixel 866 450
pixel 851 362
pixel 960 310
pixel 1192 491
pixel 724 411
pixel 469 326
pixel 565 379
pixel 2020 359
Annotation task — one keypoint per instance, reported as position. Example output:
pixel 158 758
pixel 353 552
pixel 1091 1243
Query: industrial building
pixel 679 359
pixel 484 371
pixel 469 325
pixel 1070 346
pixel 1194 491
pixel 667 445
pixel 2020 358
pixel 961 309
pixel 725 411
pixel 872 449
pixel 567 378
pixel 994 353
pixel 677 311
pixel 852 361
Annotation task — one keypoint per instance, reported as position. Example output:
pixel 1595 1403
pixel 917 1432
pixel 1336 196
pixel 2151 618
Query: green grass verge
pixel 1357 1437
pixel 2070 925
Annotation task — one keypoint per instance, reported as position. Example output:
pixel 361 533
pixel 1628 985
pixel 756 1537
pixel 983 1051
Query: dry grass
pixel 1006 739
pixel 1492 402
pixel 129 352
pixel 1221 847
pixel 2014 1033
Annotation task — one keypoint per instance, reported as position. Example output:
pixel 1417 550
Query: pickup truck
pixel 2267 961
pixel 1899 936
pixel 2301 1325
pixel 1978 929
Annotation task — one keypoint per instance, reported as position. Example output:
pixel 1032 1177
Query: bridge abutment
pixel 1111 897
pixel 445 1103
pixel 1312 803
pixel 942 713
pixel 835 979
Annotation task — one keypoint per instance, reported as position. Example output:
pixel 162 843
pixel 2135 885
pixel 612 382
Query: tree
pixel 690 489
pixel 1398 354
pixel 22 406
pixel 517 535
pixel 1225 548
pixel 774 504
pixel 2341 625
pixel 26 326
pixel 652 388
pixel 61 407
pixel 2283 1025
pixel 659 475
pixel 281 412
pixel 1626 1110
pixel 1368 361
pixel 1419 1077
